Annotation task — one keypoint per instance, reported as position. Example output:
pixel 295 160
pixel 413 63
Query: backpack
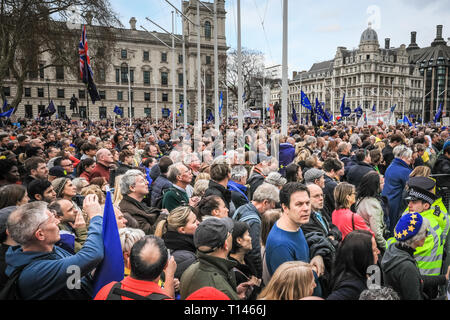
pixel 116 293
pixel 11 289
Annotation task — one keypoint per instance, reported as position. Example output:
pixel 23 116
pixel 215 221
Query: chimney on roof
pixel 439 39
pixel 294 74
pixel 133 23
pixel 387 43
pixel 413 37
pixel 439 32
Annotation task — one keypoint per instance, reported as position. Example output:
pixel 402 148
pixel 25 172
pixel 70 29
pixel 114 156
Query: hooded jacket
pixel 238 193
pixel 356 172
pixel 45 275
pixel 286 156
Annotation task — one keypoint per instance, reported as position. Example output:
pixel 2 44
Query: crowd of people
pixel 323 213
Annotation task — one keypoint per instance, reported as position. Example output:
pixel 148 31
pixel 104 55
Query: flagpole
pixel 184 75
pixel 204 95
pixel 437 99
pixel 174 115
pixel 404 93
pixel 199 72
pixel 129 94
pixel 239 58
pixel 284 93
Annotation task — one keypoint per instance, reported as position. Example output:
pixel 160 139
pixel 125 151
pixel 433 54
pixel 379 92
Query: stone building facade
pixel 150 65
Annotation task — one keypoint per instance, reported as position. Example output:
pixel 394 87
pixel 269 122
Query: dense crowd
pixel 328 212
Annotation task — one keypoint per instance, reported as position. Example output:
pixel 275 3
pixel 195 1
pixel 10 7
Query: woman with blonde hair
pixel 202 176
pixel 293 280
pixel 177 231
pixel 94 189
pixel 128 237
pixel 117 194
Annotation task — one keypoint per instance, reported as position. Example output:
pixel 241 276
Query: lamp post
pixel 48 89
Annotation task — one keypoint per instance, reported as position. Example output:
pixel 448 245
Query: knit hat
pixel 446 144
pixel 58 185
pixel 276 179
pixel 408 226
pixel 208 293
pixel 313 174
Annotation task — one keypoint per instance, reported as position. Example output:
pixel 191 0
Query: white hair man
pixel 45 276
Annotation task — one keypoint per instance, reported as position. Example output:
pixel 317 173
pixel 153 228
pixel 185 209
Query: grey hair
pixel 129 236
pixel 310 140
pixel 354 138
pixel 402 152
pixel 266 191
pixel 222 160
pixel 174 171
pixel 276 179
pixel 189 157
pixel 420 235
pixel 200 188
pixel 382 293
pixel 24 222
pixel 129 180
pixel 343 145
pixel 238 172
pixel 78 183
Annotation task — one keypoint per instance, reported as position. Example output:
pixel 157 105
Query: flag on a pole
pixel 393 108
pixel 305 101
pixel 221 103
pixel 359 112
pixel 210 117
pixel 5 105
pixel 438 114
pixel 406 120
pixel 374 108
pixel 313 118
pixel 345 110
pixel 7 114
pixel 85 67
pixel 118 111
pixel 328 116
pixel 294 113
pixel 112 267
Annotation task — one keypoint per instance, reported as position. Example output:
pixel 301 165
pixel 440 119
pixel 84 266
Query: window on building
pixel 120 95
pixel 27 92
pixel 208 60
pixel 102 112
pixel 181 98
pixel 148 112
pixel 180 79
pixel 165 97
pixel 208 30
pixel 41 71
pixel 208 99
pixel 132 75
pixel 132 112
pixel 40 92
pixel 124 74
pixel 41 108
pixel 83 113
pixel 101 74
pixel 180 58
pixel 147 77
pixel 163 57
pixel 146 96
pixel 81 94
pixel 123 53
pixel 146 56
pixel 61 112
pixel 164 78
pixel 117 75
pixel 59 72
pixel 208 81
pixel 60 93
pixel 28 111
pixel 102 94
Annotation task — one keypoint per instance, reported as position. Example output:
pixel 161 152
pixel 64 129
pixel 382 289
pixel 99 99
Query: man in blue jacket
pixel 396 177
pixel 49 270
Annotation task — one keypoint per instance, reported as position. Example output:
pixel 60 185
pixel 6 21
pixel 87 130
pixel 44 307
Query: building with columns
pixel 150 68
pixel 369 75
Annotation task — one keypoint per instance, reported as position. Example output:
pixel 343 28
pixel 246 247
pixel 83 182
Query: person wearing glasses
pixel 45 275
pixel 399 266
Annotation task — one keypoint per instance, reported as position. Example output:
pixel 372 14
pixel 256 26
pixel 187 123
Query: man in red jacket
pixel 104 162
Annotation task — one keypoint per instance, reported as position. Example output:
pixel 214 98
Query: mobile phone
pixel 168 254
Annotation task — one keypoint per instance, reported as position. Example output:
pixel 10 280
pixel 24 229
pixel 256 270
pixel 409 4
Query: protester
pixel 128 237
pixel 13 195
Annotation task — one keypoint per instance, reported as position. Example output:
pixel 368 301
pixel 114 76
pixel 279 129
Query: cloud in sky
pixel 316 28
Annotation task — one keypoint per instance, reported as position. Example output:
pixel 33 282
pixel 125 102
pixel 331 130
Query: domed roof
pixel 369 35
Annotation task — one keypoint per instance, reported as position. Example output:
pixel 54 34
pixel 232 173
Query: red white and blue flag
pixel 85 67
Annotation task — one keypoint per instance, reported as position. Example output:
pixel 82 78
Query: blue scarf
pixel 234 186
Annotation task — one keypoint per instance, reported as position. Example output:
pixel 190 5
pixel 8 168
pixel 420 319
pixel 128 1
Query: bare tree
pixel 30 29
pixel 252 66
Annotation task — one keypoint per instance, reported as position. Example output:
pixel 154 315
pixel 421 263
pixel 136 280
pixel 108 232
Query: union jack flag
pixel 85 67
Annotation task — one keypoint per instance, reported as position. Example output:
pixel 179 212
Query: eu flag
pixel 210 117
pixel 393 108
pixel 7 114
pixel 305 101
pixel 406 120
pixel 374 108
pixel 112 267
pixel 438 114
pixel 221 103
pixel 345 111
pixel 359 112
pixel 118 111
pixel 294 113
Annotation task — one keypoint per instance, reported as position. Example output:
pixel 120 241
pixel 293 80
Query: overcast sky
pixel 316 27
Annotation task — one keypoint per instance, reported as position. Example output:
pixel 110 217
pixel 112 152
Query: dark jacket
pixel 356 172
pixel 400 271
pixel 243 273
pixel 209 271
pixel 348 163
pixel 249 214
pixel 315 226
pixel 349 287
pixel 46 276
pixel 3 277
pixel 159 185
pixel 255 180
pixel 442 166
pixel 174 198
pixel 328 195
pixel 388 157
pixel 215 189
pixel 145 216
pixel 183 250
